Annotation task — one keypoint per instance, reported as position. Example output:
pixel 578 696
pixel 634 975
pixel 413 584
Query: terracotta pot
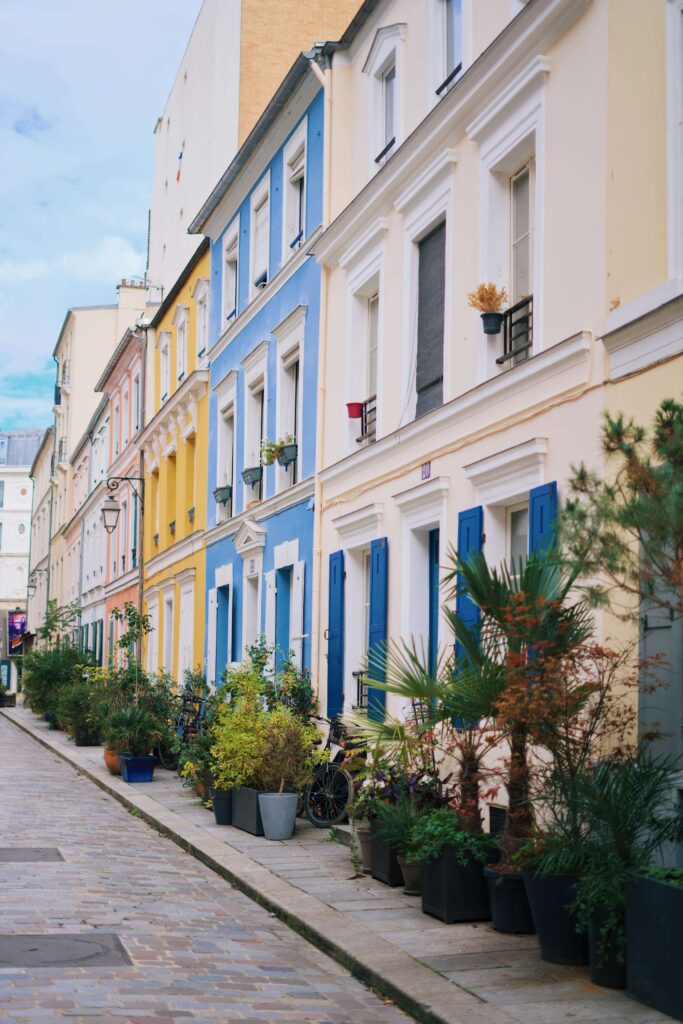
pixel 111 759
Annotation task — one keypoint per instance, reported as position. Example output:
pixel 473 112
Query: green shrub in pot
pixel 132 730
pixel 287 768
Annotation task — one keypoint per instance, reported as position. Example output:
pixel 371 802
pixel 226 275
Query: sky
pixel 82 83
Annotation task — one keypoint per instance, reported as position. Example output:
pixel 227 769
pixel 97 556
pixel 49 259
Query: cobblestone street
pixel 200 951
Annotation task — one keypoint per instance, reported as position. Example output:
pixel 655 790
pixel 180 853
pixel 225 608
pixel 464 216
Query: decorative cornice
pixel 184 402
pixel 361 525
pixel 169 556
pixel 573 351
pixel 277 503
pixel 499 478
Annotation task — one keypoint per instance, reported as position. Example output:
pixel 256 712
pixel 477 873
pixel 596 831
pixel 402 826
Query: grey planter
pixel 252 475
pixel 287 454
pixel 278 813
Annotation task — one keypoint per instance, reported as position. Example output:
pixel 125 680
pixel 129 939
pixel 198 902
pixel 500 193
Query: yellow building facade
pixel 175 444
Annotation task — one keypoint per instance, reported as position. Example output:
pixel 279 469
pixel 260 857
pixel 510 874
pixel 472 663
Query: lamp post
pixel 110 513
pixel 110 506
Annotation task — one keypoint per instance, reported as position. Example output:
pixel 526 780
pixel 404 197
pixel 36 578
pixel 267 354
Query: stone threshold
pixel 421 992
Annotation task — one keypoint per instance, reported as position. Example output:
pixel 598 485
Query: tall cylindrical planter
pixel 550 896
pixel 654 911
pixel 222 806
pixel 278 813
pixel 510 909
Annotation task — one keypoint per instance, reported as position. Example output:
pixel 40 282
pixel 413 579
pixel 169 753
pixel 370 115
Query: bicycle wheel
pixel 327 798
pixel 167 758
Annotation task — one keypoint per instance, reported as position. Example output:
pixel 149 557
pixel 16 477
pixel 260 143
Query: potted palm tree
pixel 527 624
pixel 133 731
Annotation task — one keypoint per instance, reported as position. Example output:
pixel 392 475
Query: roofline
pixel 128 335
pixel 78 309
pixel 48 432
pixel 320 53
pixel 179 282
pixel 104 402
pixel 284 91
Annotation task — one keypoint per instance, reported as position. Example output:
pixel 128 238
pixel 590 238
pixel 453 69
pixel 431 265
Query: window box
pixel 223 494
pixel 385 866
pixel 171 527
pixel 190 514
pixel 287 454
pixel 155 538
pixel 252 475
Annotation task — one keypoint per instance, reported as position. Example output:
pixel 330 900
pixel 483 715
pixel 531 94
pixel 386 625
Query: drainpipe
pixel 325 77
pixel 141 473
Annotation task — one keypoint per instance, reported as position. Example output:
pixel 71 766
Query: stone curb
pixel 414 987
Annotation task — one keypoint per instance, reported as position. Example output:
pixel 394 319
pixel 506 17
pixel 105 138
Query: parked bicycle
pixel 327 800
pixel 187 722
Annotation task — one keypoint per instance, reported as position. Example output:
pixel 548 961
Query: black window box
pixel 385 866
pixel 246 813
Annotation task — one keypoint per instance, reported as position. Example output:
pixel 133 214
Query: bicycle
pixel 326 801
pixel 187 723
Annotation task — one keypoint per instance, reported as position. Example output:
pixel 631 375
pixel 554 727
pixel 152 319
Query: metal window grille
pixel 368 421
pixel 362 687
pixel 518 332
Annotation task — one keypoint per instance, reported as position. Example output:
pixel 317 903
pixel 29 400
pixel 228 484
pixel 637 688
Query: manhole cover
pixel 62 951
pixel 28 854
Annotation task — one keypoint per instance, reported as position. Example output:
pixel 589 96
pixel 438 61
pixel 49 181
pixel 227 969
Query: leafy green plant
pixel 289 747
pixel 239 746
pixel 625 814
pixel 397 822
pixel 291 688
pixel 441 828
pixel 132 730
pixel 271 449
pixel 47 670
pixel 671 876
pixel 78 706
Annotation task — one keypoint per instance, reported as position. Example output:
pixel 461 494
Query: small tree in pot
pixel 286 769
pixel 133 731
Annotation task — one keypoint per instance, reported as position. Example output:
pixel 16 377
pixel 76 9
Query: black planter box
pixel 83 737
pixel 385 865
pixel 606 969
pixel 8 700
pixel 246 813
pixel 509 902
pixel 454 892
pixel 222 806
pixel 654 911
pixel 549 896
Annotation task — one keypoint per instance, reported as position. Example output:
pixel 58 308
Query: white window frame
pixel 387 49
pixel 164 365
pixel 437 62
pixel 117 431
pixel 510 132
pixel 423 508
pixel 502 482
pixel 252 581
pixel 136 404
pixel 168 598
pixel 259 197
pixel 294 169
pixel 200 293
pixel 364 266
pixel 425 204
pixel 230 287
pixel 289 347
pixel 125 417
pixel 255 368
pixel 186 630
pixel 226 448
pixel 181 322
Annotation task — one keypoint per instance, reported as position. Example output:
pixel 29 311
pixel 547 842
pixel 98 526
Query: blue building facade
pixel 263 373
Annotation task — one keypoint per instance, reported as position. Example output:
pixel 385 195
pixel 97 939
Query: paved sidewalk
pixel 439 972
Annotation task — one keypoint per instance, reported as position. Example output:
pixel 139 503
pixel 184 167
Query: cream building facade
pixel 475 144
pixel 88 337
pixel 41 511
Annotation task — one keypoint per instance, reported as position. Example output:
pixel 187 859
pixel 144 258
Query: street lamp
pixel 31 588
pixel 110 513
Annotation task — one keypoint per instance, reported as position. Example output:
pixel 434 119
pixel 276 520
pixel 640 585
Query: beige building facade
pixel 480 143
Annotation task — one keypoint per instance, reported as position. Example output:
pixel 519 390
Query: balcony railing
pixel 368 420
pixel 518 332
pixel 362 688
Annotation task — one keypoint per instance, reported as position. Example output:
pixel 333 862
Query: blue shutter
pixel 377 632
pixel 470 538
pixel 335 637
pixel 542 516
